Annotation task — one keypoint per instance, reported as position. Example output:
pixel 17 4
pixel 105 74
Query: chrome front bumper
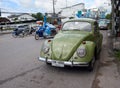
pixel 57 63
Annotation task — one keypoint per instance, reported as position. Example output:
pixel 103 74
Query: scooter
pixel 45 31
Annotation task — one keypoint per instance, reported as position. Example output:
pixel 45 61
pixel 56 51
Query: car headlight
pixel 45 50
pixel 81 52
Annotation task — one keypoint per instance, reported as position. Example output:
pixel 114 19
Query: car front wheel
pixel 91 64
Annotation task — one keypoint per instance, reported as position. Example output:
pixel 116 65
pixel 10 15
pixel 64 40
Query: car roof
pixel 83 19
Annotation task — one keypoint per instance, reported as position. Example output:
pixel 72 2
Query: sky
pixel 34 6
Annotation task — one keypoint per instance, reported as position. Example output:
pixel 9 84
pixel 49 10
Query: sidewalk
pixel 5 32
pixel 108 75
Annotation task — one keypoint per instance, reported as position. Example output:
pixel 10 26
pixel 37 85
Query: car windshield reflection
pixel 77 26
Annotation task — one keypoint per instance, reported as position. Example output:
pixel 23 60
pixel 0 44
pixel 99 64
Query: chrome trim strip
pixel 67 63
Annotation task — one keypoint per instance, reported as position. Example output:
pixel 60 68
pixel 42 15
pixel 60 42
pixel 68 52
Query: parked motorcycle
pixel 22 30
pixel 18 32
pixel 45 31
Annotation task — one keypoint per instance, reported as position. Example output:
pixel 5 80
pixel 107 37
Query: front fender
pixel 37 32
pixel 90 49
pixel 47 44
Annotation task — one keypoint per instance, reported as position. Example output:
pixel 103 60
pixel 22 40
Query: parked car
pixel 77 44
pixel 103 24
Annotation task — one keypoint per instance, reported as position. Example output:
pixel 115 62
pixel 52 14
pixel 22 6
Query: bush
pixel 5 29
pixel 109 25
pixel 117 54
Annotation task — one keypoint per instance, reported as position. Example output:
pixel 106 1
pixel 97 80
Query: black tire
pixel 91 64
pixel 14 35
pixel 48 63
pixel 37 36
pixel 45 37
pixel 21 34
pixel 97 54
pixel 54 32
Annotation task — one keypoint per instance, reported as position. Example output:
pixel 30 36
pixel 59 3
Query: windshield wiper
pixel 76 30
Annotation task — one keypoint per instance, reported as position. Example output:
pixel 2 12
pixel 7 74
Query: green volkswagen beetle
pixel 77 44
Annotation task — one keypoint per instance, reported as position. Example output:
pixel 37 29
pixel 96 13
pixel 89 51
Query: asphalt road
pixel 20 68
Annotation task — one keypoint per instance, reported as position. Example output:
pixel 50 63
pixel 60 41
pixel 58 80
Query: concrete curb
pixel 108 75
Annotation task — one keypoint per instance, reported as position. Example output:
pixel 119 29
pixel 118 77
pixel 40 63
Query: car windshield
pixel 80 26
pixel 102 23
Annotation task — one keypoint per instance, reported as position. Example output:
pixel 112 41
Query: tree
pixel 38 16
pixel 108 16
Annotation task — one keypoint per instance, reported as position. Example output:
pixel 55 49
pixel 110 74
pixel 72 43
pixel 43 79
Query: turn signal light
pixel 84 42
pixel 49 40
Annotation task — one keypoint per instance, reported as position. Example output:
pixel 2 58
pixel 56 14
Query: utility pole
pixel 66 3
pixel 113 28
pixel 0 12
pixel 53 7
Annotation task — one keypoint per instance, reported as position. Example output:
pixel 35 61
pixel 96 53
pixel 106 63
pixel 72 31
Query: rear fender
pixel 47 31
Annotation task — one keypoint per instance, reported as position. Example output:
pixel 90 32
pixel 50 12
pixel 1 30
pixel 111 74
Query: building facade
pixel 21 17
pixel 72 10
pixel 79 10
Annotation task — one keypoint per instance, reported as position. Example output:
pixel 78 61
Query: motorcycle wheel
pixel 14 35
pixel 36 36
pixel 21 35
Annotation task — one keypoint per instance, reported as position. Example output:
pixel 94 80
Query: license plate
pixel 58 64
pixel 102 27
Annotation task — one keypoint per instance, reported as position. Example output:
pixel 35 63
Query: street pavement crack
pixel 19 75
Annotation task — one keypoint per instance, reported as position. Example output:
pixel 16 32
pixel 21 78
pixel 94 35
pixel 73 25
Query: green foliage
pixel 108 16
pixel 15 19
pixel 71 17
pixel 117 54
pixel 109 25
pixel 50 20
pixel 5 29
pixel 38 16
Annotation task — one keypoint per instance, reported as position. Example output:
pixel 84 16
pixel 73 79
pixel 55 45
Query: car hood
pixel 65 44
